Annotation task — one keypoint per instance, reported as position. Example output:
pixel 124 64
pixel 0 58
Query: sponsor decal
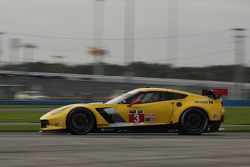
pixel 136 116
pixel 215 116
pixel 204 102
pixel 119 124
pixel 56 124
pixel 61 122
pixel 150 115
pixel 150 118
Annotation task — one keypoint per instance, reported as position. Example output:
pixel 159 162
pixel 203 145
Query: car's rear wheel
pixel 193 121
pixel 80 122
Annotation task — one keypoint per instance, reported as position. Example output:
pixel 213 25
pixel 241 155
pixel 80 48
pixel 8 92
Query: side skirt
pixel 134 129
pixel 141 129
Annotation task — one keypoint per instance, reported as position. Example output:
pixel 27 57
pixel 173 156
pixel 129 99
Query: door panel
pixel 154 113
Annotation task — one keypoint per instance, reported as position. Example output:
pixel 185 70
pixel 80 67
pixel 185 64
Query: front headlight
pixel 58 110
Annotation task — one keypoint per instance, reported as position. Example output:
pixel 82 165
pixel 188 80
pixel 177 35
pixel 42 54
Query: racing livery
pixel 142 108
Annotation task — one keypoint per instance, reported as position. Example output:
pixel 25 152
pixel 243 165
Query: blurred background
pixel 98 49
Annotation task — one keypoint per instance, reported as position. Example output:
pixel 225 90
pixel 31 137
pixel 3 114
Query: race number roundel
pixel 136 116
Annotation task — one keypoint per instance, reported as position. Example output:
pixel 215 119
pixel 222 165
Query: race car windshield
pixel 122 97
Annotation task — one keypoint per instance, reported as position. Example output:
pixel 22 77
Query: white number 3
pixel 136 118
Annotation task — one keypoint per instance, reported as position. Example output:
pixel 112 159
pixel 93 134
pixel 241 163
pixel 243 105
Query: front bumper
pixel 46 125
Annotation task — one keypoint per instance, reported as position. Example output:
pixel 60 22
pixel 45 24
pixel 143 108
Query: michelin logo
pixel 204 102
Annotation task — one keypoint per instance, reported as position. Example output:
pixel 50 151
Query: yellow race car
pixel 142 109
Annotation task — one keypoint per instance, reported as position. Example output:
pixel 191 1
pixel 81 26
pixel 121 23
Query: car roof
pixel 161 89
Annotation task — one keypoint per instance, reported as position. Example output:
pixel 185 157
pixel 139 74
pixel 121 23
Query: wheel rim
pixel 194 121
pixel 80 121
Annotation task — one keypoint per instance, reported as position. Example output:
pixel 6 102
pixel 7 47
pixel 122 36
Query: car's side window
pixel 132 99
pixel 149 97
pixel 146 97
pixel 172 96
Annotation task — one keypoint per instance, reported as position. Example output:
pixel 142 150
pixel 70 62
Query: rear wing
pixel 215 93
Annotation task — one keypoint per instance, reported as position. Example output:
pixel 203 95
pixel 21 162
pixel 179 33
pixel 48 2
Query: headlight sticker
pixel 61 122
pixel 58 110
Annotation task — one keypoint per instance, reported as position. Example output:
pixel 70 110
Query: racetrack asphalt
pixel 31 149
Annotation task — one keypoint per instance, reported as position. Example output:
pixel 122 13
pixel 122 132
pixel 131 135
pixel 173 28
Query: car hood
pixel 64 110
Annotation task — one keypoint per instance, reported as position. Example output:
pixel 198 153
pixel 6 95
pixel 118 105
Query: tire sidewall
pixel 184 129
pixel 76 131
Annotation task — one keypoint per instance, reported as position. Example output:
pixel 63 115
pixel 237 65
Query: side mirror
pixel 137 101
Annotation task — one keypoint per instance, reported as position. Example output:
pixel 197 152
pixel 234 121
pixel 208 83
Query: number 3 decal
pixel 136 118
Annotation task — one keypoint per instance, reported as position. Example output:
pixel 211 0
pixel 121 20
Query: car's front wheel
pixel 80 122
pixel 193 122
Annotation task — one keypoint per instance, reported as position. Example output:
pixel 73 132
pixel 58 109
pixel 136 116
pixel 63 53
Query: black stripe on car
pixel 110 115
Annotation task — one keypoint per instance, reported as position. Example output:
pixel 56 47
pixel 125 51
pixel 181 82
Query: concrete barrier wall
pixel 69 86
pixel 46 102
pixel 227 103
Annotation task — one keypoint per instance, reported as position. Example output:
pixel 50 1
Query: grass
pixel 236 128
pixel 237 116
pixel 21 116
pixel 233 116
pixel 22 128
pixel 31 116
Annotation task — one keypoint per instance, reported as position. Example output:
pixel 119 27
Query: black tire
pixel 193 121
pixel 80 122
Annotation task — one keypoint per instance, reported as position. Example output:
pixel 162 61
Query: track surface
pixel 112 150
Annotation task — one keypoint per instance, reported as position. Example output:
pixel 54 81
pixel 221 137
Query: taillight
pixel 222 103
